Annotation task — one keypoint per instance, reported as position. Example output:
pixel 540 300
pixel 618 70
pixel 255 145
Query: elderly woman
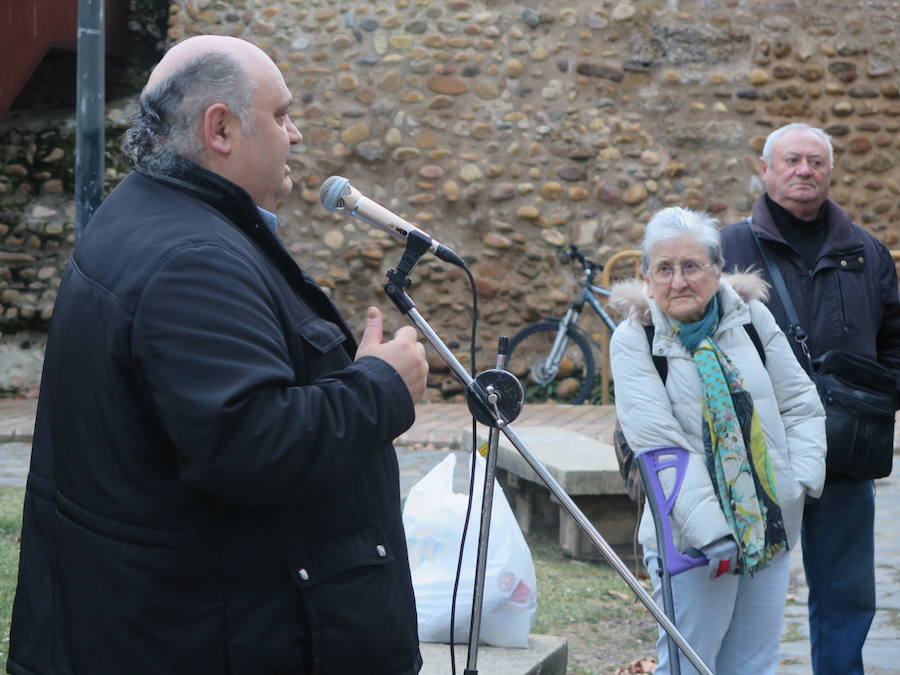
pixel 753 426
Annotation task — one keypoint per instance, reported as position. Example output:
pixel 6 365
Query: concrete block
pixel 586 469
pixel 580 464
pixel 613 516
pixel 546 655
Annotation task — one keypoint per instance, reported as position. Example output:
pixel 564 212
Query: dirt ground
pixel 610 646
pixel 589 604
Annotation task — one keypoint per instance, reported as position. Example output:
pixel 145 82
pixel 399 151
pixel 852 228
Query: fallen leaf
pixel 645 664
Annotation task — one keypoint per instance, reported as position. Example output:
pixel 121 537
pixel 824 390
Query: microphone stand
pixel 495 397
pixel 486 401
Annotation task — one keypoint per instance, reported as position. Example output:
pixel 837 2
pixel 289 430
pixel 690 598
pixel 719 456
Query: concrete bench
pixel 587 471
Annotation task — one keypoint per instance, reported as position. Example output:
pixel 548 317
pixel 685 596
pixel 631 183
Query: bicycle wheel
pixel 569 381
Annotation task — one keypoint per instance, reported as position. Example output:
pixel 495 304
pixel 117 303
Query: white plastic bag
pixel 433 517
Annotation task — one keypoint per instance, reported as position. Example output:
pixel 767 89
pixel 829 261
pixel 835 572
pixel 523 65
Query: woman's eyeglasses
pixel 690 270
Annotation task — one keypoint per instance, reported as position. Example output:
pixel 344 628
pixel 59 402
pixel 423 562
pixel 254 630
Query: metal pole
pixel 487 503
pixel 89 116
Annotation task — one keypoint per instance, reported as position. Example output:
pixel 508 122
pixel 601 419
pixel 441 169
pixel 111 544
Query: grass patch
pixel 573 591
pixel 10 530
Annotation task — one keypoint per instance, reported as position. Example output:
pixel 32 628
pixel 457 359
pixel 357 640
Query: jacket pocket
pixel 319 562
pixel 321 335
pixel 787 487
pixel 359 602
pixel 317 348
pixel 851 287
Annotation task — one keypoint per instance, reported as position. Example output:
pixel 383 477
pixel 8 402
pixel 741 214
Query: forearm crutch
pixel 671 562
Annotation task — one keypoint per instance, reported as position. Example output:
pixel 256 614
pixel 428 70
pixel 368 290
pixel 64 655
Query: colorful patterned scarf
pixel 736 453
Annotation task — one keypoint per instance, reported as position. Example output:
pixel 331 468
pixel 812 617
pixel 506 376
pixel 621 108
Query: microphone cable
pixel 462 544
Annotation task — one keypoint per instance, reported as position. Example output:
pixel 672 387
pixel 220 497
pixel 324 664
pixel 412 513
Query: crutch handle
pixel 651 463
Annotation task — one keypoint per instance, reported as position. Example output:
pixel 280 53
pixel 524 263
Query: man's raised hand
pixel 403 352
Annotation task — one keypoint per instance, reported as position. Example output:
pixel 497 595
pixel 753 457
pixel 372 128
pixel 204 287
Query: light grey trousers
pixel 733 623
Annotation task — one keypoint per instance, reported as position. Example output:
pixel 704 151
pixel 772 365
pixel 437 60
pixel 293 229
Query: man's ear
pixel 762 165
pixel 216 131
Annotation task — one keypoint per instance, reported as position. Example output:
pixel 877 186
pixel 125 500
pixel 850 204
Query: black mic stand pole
pixel 495 389
pixel 485 401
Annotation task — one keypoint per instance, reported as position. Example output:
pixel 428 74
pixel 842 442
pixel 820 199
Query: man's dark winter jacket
pixel 847 301
pixel 213 488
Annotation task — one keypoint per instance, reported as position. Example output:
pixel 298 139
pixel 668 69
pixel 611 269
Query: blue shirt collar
pixel 269 218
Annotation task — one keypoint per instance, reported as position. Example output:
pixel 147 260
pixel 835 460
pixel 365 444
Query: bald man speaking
pixel 213 486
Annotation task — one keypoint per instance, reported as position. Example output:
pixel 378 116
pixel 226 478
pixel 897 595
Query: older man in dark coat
pixel 213 487
pixel 843 284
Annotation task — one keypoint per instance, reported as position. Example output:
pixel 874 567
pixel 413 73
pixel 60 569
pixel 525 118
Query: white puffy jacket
pixel 653 414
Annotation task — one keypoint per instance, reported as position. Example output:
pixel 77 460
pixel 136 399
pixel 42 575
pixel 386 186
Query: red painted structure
pixel 29 28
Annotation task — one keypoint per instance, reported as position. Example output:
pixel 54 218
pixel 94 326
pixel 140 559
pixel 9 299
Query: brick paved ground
pixel 442 424
pixel 436 423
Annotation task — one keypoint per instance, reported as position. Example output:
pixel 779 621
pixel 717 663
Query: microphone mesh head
pixel 332 190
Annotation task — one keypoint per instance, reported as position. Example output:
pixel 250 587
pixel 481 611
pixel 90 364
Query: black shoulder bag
pixel 859 396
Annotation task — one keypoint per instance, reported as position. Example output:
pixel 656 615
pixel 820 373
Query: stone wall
pixel 508 129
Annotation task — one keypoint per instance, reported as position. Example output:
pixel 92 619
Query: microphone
pixel 336 193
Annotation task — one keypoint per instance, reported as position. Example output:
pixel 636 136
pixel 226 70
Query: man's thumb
pixel 374 326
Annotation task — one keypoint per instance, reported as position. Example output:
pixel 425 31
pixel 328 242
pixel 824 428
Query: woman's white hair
pixel 676 221
pixel 797 126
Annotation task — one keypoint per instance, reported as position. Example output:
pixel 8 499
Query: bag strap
pixel 795 330
pixel 757 342
pixel 662 363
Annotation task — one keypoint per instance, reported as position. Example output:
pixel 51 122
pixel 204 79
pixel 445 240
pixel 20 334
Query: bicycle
pixel 546 353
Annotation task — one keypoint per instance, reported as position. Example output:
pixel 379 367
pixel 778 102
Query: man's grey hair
pixel 676 221
pixel 797 126
pixel 163 136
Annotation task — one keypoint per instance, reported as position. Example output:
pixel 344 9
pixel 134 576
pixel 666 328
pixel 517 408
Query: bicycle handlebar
pixel 573 253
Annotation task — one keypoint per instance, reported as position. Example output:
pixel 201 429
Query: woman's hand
pixel 722 556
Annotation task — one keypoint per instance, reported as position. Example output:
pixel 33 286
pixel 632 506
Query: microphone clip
pixel 417 244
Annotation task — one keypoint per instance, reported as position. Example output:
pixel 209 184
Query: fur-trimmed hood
pixel 629 297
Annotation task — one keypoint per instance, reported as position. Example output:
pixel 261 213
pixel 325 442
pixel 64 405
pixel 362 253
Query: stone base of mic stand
pixel 546 655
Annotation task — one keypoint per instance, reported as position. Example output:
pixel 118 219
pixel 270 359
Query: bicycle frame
pixel 589 292
pixel 587 295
